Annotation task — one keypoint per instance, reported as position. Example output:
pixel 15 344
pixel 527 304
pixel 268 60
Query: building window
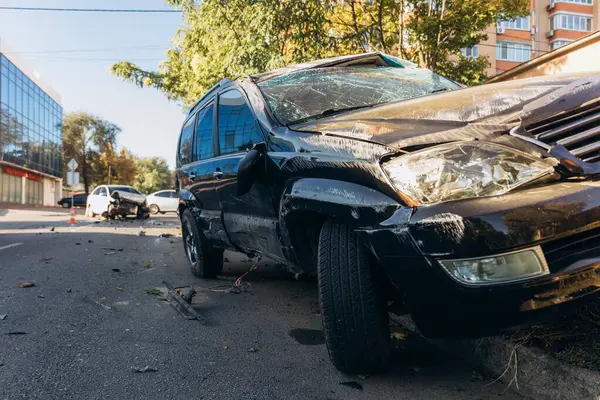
pixel 586 2
pixel 510 51
pixel 558 43
pixel 520 23
pixel 470 52
pixel 571 22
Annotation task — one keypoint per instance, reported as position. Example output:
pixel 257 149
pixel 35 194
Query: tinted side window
pixel 204 133
pixel 103 192
pixel 186 142
pixel 238 129
pixel 96 191
pixel 173 195
pixel 163 194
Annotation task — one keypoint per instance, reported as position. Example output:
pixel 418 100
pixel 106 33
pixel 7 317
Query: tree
pixel 227 38
pixel 153 174
pixel 125 168
pixel 85 139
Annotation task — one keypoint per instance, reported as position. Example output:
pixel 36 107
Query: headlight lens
pixel 501 268
pixel 463 170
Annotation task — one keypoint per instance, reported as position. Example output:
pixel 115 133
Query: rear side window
pixel 186 142
pixel 173 195
pixel 238 130
pixel 163 194
pixel 204 133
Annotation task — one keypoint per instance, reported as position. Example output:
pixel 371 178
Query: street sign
pixel 72 165
pixel 72 178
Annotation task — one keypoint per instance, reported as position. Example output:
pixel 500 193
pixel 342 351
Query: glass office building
pixel 30 136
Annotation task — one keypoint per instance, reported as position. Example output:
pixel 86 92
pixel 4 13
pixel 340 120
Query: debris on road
pixel 110 253
pixel 252 350
pixel 154 292
pixel 106 307
pixel 69 290
pixel 120 289
pixel 147 368
pixel 166 235
pixel 3 317
pixel 148 265
pixel 116 270
pixel 41 296
pixel 46 260
pixel 141 233
pixel 111 249
pixel 16 333
pixel 90 241
pixel 77 244
pixel 180 298
pixel 52 230
pixel 352 384
pixel 399 335
pixel 26 284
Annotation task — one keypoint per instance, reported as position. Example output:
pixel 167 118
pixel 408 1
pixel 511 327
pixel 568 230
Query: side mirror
pixel 247 168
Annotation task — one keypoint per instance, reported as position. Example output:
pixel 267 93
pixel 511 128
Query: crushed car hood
pixel 135 198
pixel 484 112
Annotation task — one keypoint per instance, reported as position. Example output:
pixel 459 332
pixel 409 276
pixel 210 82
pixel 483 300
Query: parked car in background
pixel 111 201
pixel 162 201
pixel 474 210
pixel 77 200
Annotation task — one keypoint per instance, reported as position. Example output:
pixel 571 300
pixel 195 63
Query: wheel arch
pixel 307 203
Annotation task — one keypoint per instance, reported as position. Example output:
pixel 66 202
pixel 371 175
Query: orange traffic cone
pixel 72 219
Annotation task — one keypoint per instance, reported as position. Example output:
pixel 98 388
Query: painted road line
pixel 10 245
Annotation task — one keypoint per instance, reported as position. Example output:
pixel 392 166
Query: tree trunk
pixel 84 171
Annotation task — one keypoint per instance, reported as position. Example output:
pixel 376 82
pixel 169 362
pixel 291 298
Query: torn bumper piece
pixel 126 203
pixel 562 220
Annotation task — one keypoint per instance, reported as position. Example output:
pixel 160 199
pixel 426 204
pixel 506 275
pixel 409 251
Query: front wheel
pixel 206 261
pixel 64 204
pixel 353 306
pixel 154 209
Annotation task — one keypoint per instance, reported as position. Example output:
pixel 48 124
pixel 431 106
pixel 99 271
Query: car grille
pixel 577 130
pixel 563 252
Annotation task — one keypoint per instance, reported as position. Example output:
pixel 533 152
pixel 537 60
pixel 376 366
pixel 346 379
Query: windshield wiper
pixel 440 90
pixel 332 111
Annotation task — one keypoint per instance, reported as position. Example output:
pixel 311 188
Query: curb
pixel 537 374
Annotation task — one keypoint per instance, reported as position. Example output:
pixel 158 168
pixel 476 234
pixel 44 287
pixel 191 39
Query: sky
pixel 150 123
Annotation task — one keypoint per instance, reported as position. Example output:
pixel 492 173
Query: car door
pixel 93 198
pixel 171 200
pixel 250 220
pixel 196 172
pixel 79 200
pixel 101 200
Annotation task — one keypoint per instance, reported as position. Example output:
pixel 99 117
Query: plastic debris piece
pixel 46 259
pixel 252 350
pixel 116 270
pixel 41 296
pixel 26 284
pixel 147 368
pixel 352 384
pixel 399 335
pixel 69 290
pixel 166 235
pixel 141 233
pixel 178 301
pixel 3 317
pixel 110 253
pixel 90 241
pixel 16 333
pixel 120 289
pixel 52 230
pixel 148 265
pixel 154 292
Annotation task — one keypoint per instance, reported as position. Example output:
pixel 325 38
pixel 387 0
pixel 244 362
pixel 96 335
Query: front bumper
pixel 564 218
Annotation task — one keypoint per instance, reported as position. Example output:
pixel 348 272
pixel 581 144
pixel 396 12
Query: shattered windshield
pixel 316 93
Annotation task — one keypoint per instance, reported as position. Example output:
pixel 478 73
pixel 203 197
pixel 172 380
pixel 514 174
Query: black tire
pixel 353 307
pixel 206 261
pixel 154 209
pixel 64 204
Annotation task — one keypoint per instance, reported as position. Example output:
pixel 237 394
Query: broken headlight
pixel 499 268
pixel 462 170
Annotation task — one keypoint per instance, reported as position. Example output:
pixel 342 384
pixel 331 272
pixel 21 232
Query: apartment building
pixel 550 25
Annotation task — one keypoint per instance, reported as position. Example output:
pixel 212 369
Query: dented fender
pixel 352 203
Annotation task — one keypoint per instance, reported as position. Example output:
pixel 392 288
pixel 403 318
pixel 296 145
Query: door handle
pixel 191 176
pixel 218 174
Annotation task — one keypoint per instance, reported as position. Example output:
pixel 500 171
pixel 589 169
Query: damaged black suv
pixel 474 210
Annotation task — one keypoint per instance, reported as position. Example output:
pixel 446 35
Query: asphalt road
pixel 88 323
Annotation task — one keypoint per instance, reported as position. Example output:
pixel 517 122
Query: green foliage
pixel 227 38
pixel 152 174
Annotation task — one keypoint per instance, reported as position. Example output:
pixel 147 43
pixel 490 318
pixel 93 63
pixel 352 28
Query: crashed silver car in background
pixel 113 201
